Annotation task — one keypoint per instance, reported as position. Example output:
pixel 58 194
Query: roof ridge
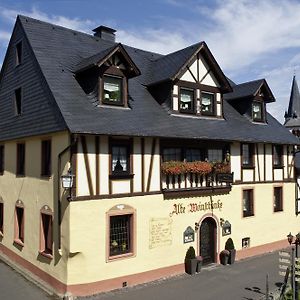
pixel 60 26
pixel 176 52
pixel 251 81
pixel 86 34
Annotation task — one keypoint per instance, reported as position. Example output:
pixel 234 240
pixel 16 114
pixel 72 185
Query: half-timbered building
pixel 164 151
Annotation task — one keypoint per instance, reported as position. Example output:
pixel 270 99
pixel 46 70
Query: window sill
pixel 278 167
pixel 20 175
pixel 208 114
pixel 248 216
pixel 188 112
pixel 278 211
pixel 46 177
pixel 113 103
pixel 121 176
pixel 45 254
pixel 120 256
pixel 248 167
pixel 19 242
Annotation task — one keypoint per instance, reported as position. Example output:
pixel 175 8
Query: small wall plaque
pixel 226 228
pixel 188 235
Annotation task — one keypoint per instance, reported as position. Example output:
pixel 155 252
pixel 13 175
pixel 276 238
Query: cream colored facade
pixel 85 219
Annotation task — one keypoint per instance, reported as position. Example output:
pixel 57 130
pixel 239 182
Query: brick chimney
pixel 105 33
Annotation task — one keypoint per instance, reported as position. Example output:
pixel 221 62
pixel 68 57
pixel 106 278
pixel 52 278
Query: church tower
pixel 292 116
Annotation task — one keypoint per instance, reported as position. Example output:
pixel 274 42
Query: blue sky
pixel 250 39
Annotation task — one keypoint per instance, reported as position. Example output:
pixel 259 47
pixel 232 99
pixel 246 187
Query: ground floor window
pixel 1 217
pixel 46 246
pixel 278 199
pixel 248 209
pixel 120 232
pixel 19 224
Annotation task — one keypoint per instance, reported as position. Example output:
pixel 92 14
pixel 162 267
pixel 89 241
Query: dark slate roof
pixel 59 51
pixel 244 90
pixel 93 60
pixel 165 67
pixel 292 117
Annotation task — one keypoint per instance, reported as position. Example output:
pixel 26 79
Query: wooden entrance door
pixel 208 240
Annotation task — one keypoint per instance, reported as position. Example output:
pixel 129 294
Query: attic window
pixel 18 101
pixel 112 90
pixel 257 112
pixel 207 104
pixel 186 100
pixel 18 53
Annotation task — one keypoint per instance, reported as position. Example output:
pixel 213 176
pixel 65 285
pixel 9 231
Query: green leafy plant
pixel 190 253
pixel 229 245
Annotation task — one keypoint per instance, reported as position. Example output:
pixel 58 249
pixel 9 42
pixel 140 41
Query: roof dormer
pixel 250 99
pixel 105 75
pixel 197 82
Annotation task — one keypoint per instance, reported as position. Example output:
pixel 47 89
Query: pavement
pixel 246 280
pixel 14 286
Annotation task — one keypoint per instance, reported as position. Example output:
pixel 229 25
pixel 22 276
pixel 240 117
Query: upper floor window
pixel 18 101
pixel 186 100
pixel 20 159
pixel 207 104
pixel 172 154
pixel 277 156
pixel 215 155
pixel 247 155
pixel 193 154
pixel 1 159
pixel 112 90
pixel 46 158
pixel 120 158
pixel 19 53
pixel 257 111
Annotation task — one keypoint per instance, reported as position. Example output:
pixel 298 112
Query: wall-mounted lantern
pixel 67 180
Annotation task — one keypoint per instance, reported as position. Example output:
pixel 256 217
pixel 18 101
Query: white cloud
pixel 73 23
pixel 4 38
pixel 160 41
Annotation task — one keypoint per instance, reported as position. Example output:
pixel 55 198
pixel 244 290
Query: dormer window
pixel 207 104
pixel 112 90
pixel 186 100
pixel 257 112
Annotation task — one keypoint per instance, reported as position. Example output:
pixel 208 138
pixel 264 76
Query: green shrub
pixel 229 245
pixel 190 253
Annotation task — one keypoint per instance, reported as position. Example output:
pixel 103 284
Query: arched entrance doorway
pixel 208 240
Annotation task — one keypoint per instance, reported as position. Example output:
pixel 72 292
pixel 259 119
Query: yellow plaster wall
pixel 35 192
pixel 89 239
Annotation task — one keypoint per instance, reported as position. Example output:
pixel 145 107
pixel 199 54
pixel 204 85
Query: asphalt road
pixel 13 286
pixel 244 280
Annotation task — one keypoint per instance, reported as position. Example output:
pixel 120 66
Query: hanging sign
pixel 188 235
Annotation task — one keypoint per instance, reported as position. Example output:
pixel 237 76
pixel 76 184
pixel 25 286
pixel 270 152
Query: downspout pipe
pixel 73 143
